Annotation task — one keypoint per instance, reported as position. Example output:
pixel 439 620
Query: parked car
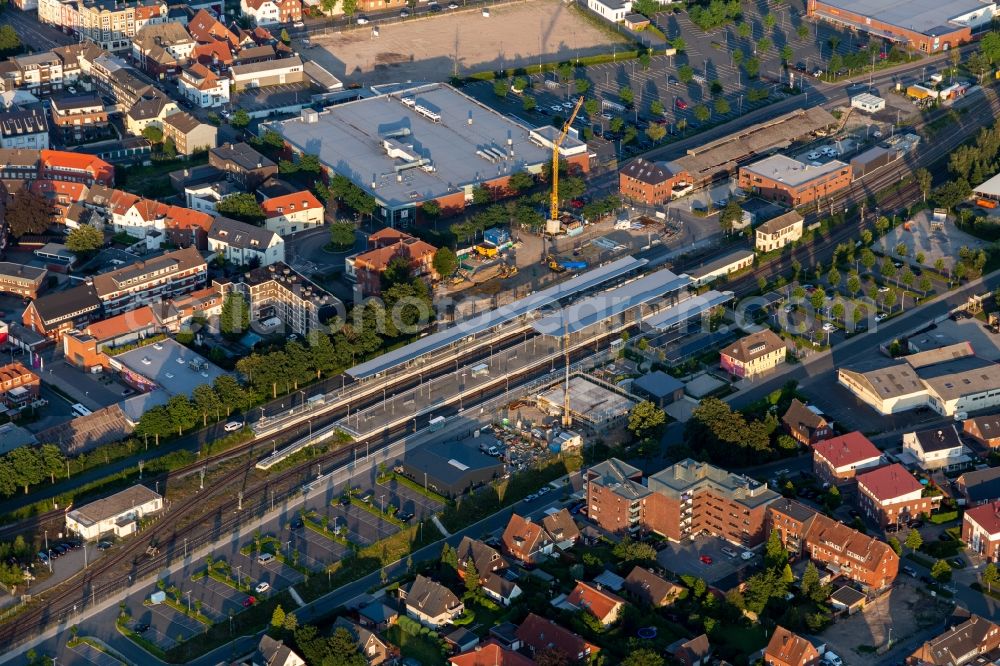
pixel 233 426
pixel 297 524
pixel 298 24
pixel 828 327
pixel 813 156
pixel 140 628
pixel 345 500
pixel 361 20
pixel 404 516
pixel 262 587
pixel 832 658
pixel 956 563
pixel 104 545
pixel 530 497
pixel 705 559
pixel 747 555
pixel 249 601
pixel 880 316
pixel 915 524
pixel 681 104
pixel 729 551
pixel 403 13
pixel 910 571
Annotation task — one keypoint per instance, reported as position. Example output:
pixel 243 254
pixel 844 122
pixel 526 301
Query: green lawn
pixel 746 640
pixel 418 647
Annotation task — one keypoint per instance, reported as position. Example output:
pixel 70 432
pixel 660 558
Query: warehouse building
pixel 791 182
pixel 924 25
pixel 451 468
pixel 421 144
pixel 118 514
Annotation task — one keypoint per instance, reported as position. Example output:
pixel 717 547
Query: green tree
pixel 500 87
pixel 775 554
pixel 853 285
pixel 722 106
pixel 769 21
pixel 833 499
pixel 764 45
pixel 240 119
pixel 285 37
pixel 445 262
pixel 924 285
pixel 643 657
pixel 888 269
pixel 685 73
pixel 656 132
pixel 10 42
pixel 731 215
pixel 235 317
pixel 868 259
pixel 278 617
pixel 153 134
pixel 181 412
pixel 206 402
pixel 626 95
pixel 342 235
pixel 84 239
pixel 833 277
pixel 231 394
pixel 471 577
pixel 895 545
pixel 678 44
pixel 701 113
pixel 591 106
pixel 241 206
pixel 866 237
pixel 990 576
pixel 786 53
pixel 155 423
pixel 629 550
pixel 743 29
pixel 802 31
pixel 913 540
pixel 752 67
pixel 656 108
pixel 941 571
pixel 291 622
pixel 449 557
pixel 529 103
pixel 646 419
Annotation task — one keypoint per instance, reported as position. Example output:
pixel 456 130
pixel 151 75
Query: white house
pixel 204 197
pixel 937 449
pixel 291 213
pixel 203 87
pixel 242 243
pixel 501 590
pixel 613 10
pixel 431 603
pixel 868 103
pixel 116 514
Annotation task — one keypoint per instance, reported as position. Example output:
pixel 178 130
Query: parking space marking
pixel 94 656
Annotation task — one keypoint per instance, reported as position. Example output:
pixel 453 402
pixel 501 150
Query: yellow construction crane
pixel 555 159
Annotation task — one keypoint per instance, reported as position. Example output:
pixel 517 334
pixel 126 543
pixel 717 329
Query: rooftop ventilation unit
pixel 427 113
pixel 408 102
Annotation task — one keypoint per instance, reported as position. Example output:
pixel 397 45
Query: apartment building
pixel 78 111
pixel 652 183
pixel 692 497
pixel 272 12
pixel 791 182
pixel 277 291
pixel 189 134
pixel 245 244
pixel 839 459
pixel 981 530
pixel 151 281
pixel 161 49
pixel 21 280
pixel 858 557
pixel 292 213
pixel 75 167
pixel 203 87
pixel 53 314
pixel 111 24
pixel 19 386
pixel 40 73
pixel 385 245
pixel 754 354
pixel 891 496
pixel 150 110
pixel 616 496
pixel 980 486
pixel 974 641
pixel 242 164
pixel 778 232
pixel 24 128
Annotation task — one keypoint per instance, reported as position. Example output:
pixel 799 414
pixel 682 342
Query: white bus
pixel 80 410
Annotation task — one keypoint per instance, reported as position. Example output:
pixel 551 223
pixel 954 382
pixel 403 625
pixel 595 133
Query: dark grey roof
pixel 378 612
pixel 23 121
pixel 796 510
pixel 938 439
pixel 243 155
pixel 499 585
pixel 150 105
pixel 274 651
pixel 658 384
pixel 430 597
pixel 76 102
pixel 184 122
pixel 989 425
pixel 651 173
pixel 21 271
pixel 275 187
pixel 240 234
pixel 982 485
pixel 58 306
pixel 449 462
pixel 848 596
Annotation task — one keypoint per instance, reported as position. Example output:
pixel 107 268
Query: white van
pixel 265 558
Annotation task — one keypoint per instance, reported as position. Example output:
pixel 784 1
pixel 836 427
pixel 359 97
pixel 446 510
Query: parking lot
pixel 408 501
pixel 90 655
pixel 166 625
pixel 685 558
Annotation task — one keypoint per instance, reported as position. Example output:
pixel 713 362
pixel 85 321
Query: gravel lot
pixel 432 49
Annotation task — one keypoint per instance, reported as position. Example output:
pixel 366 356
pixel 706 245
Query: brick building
pixel 856 556
pixel 525 540
pixel 891 496
pixel 539 634
pixel 19 386
pixel 788 649
pixel 981 530
pixel 651 183
pixel 242 164
pixel 54 314
pixel 960 644
pixel 839 459
pixel 21 280
pixel 677 502
pixel 384 246
pixel 188 133
pixel 78 112
pixel 927 26
pixel 791 182
pixel 85 348
pixel 984 429
pixel 754 354
pixel 805 425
